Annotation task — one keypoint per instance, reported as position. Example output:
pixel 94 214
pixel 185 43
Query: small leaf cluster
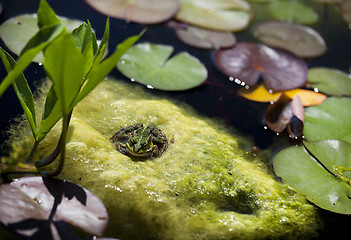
pixel 74 63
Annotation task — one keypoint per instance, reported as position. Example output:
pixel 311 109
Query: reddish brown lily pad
pixel 207 39
pixel 301 40
pixel 345 10
pixel 140 11
pixel 280 70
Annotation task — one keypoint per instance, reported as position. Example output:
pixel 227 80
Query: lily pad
pixel 330 120
pixel 293 11
pixel 247 61
pixel 151 65
pixel 207 39
pixel 304 172
pixel 17 31
pixel 345 9
pixel 330 81
pixel 301 40
pixel 218 15
pixel 34 201
pixel 140 11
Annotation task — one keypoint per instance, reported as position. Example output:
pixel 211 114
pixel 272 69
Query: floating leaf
pixel 286 113
pixel 330 81
pixel 318 182
pixel 218 15
pixel 140 11
pixel 345 9
pixel 247 61
pixel 208 39
pixel 33 202
pixel 17 31
pixel 330 120
pixel 262 94
pixel 293 11
pixel 301 40
pixel 150 64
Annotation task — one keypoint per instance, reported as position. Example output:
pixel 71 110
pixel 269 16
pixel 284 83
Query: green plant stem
pixel 59 150
pixel 31 154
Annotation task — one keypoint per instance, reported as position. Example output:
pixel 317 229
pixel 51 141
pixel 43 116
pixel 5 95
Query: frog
pixel 139 140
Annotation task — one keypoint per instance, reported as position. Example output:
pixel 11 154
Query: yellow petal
pixel 261 94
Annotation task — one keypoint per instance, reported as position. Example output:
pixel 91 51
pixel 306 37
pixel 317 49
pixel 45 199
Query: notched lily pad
pixel 218 15
pixel 330 81
pixel 34 203
pixel 248 61
pixel 140 11
pixel 151 65
pixel 304 172
pixel 301 40
pixel 293 11
pixel 17 31
pixel 207 39
pixel 330 120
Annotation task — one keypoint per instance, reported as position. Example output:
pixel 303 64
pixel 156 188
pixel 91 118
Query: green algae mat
pixel 206 185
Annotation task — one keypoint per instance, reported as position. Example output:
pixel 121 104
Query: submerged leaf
pixel 150 64
pixel 218 15
pixel 140 11
pixel 280 70
pixel 301 40
pixel 308 176
pixel 208 39
pixel 330 120
pixel 345 9
pixel 293 11
pixel 29 199
pixel 330 81
pixel 262 94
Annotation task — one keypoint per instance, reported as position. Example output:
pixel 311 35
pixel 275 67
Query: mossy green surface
pixel 205 186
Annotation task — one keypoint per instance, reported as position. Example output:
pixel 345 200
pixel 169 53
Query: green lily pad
pixel 293 11
pixel 218 15
pixel 330 81
pixel 308 176
pixel 17 31
pixel 330 120
pixel 151 65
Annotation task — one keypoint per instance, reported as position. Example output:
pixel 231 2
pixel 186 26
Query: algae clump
pixel 204 186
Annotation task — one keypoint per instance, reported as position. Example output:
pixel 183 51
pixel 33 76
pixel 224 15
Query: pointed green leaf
pixel 100 71
pixel 103 44
pixel 22 90
pixel 63 62
pixel 330 120
pixel 307 176
pixel 51 114
pixel 46 16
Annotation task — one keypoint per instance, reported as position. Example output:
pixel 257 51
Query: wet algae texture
pixel 204 186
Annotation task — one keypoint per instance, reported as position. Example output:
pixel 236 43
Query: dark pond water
pixel 217 96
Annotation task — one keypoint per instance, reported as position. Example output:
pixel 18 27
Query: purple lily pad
pixel 202 38
pixel 280 70
pixel 34 203
pixel 286 113
pixel 140 11
pixel 301 40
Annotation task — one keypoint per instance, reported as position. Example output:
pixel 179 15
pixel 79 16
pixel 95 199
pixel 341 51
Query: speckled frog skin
pixel 205 186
